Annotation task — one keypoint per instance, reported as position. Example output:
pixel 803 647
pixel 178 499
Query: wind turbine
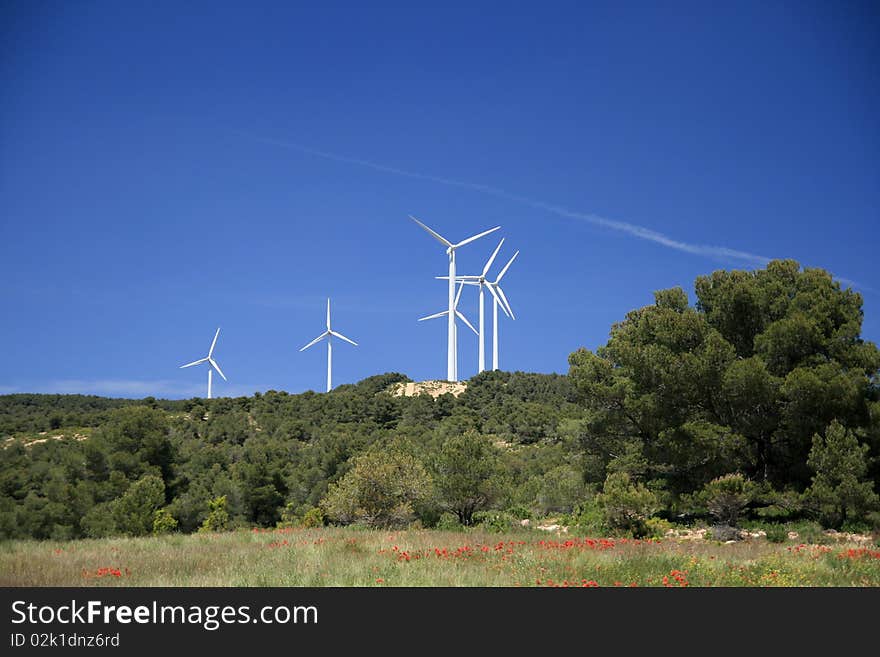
pixel 499 297
pixel 212 364
pixel 451 353
pixel 482 282
pixel 455 329
pixel 329 334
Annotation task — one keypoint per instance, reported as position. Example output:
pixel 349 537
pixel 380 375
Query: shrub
pixel 519 512
pixel 289 516
pixel 448 522
pixel 727 496
pixel 587 519
pixel 218 517
pixel 776 533
pixel 163 522
pixel 494 521
pixel 810 532
pixel 657 527
pixel 627 505
pixel 380 491
pixel 312 518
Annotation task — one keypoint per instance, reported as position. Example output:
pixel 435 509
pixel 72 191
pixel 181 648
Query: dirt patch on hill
pixel 433 388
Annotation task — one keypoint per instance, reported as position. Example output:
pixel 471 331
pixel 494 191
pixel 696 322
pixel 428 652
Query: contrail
pixel 640 232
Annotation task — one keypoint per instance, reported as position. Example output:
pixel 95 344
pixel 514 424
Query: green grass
pixel 349 557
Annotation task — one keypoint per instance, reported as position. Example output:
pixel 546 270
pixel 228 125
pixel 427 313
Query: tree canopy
pixel 741 381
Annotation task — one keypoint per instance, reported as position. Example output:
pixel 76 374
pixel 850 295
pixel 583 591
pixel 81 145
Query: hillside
pixel 758 404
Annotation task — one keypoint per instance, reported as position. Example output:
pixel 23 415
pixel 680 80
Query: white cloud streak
pixel 634 230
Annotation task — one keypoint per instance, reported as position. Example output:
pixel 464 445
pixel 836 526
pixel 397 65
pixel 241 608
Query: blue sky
pixel 167 168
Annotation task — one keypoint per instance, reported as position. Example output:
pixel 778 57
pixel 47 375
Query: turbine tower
pixel 455 329
pixel 329 334
pixel 212 364
pixel 451 354
pixel 499 298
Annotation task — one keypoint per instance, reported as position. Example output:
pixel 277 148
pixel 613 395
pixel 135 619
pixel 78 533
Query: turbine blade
pixel 498 299
pixel 217 367
pixel 195 362
pixel 464 319
pixel 316 340
pixel 211 350
pixel 434 316
pixel 458 296
pixel 475 237
pixel 328 314
pixel 436 236
pixel 506 267
pixel 459 279
pixel 506 303
pixel 492 258
pixel 342 337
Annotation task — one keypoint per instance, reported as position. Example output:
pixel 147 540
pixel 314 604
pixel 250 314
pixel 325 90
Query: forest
pixel 759 403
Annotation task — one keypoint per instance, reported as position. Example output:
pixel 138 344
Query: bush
pixel 494 521
pixel 448 522
pixel 809 532
pixel 657 527
pixel 587 519
pixel 163 522
pixel 776 533
pixel 218 517
pixel 519 512
pixel 627 505
pixel 380 491
pixel 312 518
pixel 727 496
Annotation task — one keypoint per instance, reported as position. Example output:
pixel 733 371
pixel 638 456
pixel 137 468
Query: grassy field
pixel 347 557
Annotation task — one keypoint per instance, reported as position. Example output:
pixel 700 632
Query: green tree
pixel 133 512
pixel 839 491
pixel 464 471
pixel 739 382
pixel 381 491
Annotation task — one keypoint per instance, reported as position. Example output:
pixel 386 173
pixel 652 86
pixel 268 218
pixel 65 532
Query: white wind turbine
pixel 455 327
pixel 451 353
pixel 329 334
pixel 500 299
pixel 212 364
pixel 482 282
